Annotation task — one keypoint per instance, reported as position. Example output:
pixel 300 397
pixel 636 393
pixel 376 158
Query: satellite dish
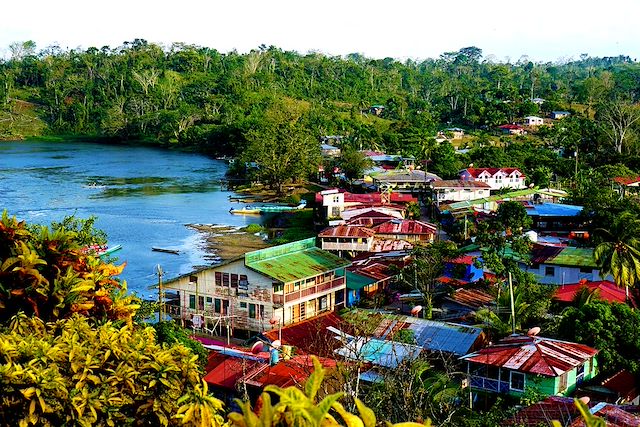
pixel 415 310
pixel 274 320
pixel 257 347
pixel 585 399
pixel 276 344
pixel 533 331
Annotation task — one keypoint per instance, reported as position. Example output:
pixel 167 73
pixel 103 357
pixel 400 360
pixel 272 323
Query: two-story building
pixel 405 181
pixel 497 178
pixel 458 190
pixel 517 363
pixel 557 265
pixel 263 289
pixel 410 230
pixel 346 239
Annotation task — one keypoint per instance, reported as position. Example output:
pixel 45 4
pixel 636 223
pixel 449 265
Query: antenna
pixel 160 273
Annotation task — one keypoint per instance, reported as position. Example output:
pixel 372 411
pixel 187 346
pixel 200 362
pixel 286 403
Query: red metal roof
pixel 509 126
pixel 451 281
pixel 473 298
pixel 475 172
pixel 376 271
pixel 229 369
pixel 285 373
pixel 607 291
pixel 535 354
pixel 347 231
pixel 311 336
pixel 627 180
pixel 370 218
pixel 406 226
pixel 463 259
pixel 624 383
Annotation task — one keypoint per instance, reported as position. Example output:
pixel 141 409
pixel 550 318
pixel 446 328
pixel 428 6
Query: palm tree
pixel 618 254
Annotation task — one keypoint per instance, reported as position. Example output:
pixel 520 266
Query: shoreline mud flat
pixel 225 242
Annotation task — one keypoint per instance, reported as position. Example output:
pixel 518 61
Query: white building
pixel 497 178
pixel 533 121
pixel 459 190
pixel 263 289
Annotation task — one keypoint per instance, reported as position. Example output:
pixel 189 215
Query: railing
pixel 345 246
pixel 489 384
pixel 322 287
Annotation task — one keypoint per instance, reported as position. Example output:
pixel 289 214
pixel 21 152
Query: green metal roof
pixel 293 261
pixel 356 281
pixel 578 257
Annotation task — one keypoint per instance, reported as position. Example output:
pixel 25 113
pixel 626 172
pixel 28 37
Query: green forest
pixel 215 102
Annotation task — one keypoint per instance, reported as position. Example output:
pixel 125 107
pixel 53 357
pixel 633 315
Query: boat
pixel 257 210
pixel 101 250
pixel 168 251
pixel 247 210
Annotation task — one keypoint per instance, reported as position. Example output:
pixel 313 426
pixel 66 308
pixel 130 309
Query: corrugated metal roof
pixel 347 231
pixel 388 354
pixel 376 271
pixel 295 262
pixel 472 298
pixel 459 184
pixel 535 354
pixel 356 281
pixel 475 172
pixel 406 176
pixel 607 291
pixel 406 226
pixel 574 257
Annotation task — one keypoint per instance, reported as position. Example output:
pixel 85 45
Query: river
pixel 142 197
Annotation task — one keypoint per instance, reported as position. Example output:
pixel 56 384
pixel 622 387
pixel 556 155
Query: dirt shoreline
pixel 223 243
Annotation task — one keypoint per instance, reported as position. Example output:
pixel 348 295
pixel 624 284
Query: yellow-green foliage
pixel 590 420
pixel 70 372
pixel 297 408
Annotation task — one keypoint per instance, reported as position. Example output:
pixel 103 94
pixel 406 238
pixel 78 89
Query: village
pixel 383 286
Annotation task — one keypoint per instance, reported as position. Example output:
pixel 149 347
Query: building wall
pixel 558 275
pixel 459 195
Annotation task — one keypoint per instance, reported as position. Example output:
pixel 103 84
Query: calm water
pixel 142 198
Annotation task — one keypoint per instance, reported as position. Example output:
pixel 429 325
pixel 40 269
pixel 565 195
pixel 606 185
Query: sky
pixel 505 30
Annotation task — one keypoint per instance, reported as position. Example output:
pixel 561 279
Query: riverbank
pixel 223 243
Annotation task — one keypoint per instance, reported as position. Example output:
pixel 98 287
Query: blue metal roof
pixel 553 210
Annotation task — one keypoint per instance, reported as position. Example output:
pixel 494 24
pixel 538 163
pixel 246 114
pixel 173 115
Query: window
pixel 193 279
pixel 243 305
pixel 516 381
pixel 234 280
pixel 192 301
pixel 278 287
pixel 200 303
pixel 252 311
pixel 218 278
pixel 549 271
pixel 225 279
pixel 217 306
pixel 580 371
pixel 586 270
pixel 563 382
pixel 209 300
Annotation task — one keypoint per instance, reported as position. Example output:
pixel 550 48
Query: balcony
pixel 307 292
pixel 489 384
pixel 346 246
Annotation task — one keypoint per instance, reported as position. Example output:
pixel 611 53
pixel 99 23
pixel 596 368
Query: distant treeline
pixel 197 97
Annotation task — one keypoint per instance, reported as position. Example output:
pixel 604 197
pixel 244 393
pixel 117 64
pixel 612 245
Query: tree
pixel 353 163
pixel 618 253
pixel 281 148
pixel 619 118
pixel 428 264
pixel 612 328
pixel 502 241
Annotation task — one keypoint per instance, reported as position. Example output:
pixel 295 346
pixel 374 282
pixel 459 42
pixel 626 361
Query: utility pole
pixel 513 308
pixel 160 273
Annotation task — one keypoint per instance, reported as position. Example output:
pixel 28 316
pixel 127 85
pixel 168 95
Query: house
pixel 520 362
pixel 262 289
pixel 407 229
pixel 451 133
pixel 512 129
pixel 619 388
pixel 604 290
pixel 533 121
pixel 376 109
pixel 346 240
pixel 497 178
pixel 459 190
pixel 566 413
pixel 383 161
pixel 329 150
pixel 335 201
pixel 373 217
pixel 626 185
pixel 557 265
pixel 405 181
pixel 557 218
pixel 366 278
pixel 538 101
pixel 464 302
pixel 556 115
pixel 464 267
